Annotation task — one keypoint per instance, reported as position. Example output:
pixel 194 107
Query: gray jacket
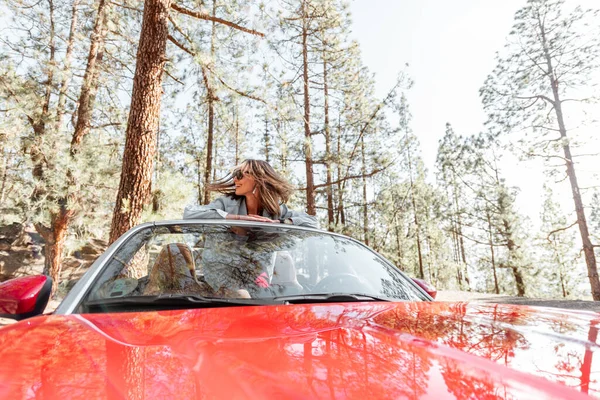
pixel 222 206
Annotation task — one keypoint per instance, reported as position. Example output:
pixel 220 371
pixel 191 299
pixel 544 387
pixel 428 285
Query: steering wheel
pixel 343 282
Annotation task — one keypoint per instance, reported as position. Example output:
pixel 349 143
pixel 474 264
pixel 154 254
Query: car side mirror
pixel 24 297
pixel 426 286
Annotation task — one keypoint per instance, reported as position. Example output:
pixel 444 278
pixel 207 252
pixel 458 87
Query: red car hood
pixel 352 350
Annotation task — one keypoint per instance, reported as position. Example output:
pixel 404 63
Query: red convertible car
pixel 215 310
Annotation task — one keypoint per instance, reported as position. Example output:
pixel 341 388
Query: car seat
pixel 284 281
pixel 174 272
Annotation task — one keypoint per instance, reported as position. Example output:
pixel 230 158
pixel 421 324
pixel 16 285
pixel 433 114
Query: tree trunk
pixel 90 78
pixel 311 207
pixel 54 239
pixel 493 256
pixel 237 137
pixel 66 78
pixel 199 179
pixel 561 275
pixel 364 190
pixel 142 125
pixel 267 139
pixel 419 252
pixel 340 216
pixel 398 244
pixel 211 114
pixel 510 245
pixel 329 191
pixel 414 206
pixel 588 247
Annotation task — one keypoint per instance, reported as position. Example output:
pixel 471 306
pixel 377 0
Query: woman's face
pixel 244 182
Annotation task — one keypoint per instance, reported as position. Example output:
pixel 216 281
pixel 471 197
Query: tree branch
pixel 540 96
pixel 559 230
pixel 346 178
pixel 207 17
pixel 106 125
pixel 244 94
pixel 126 6
pixel 172 77
pixel 182 47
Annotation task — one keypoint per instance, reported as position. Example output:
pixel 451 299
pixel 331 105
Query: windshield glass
pixel 240 262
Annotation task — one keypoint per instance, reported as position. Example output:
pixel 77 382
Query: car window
pixel 241 262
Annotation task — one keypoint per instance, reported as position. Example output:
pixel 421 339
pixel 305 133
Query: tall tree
pixel 140 141
pixel 450 171
pixel 550 55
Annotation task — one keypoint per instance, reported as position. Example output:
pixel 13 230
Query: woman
pixel 253 192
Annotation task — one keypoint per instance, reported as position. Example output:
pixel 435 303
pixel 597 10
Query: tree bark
pixel 66 78
pixel 311 207
pixel 398 243
pixel 493 256
pixel 267 139
pixel 144 114
pixel 364 190
pixel 340 215
pixel 211 113
pixel 329 188
pixel 414 206
pixel 54 241
pixel 90 78
pixel 237 137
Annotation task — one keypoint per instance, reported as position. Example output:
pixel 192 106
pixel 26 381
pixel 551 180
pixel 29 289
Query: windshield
pixel 242 262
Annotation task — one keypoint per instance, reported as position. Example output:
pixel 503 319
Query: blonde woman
pixel 252 192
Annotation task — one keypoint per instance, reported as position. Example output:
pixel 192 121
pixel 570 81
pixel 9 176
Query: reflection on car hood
pixel 353 350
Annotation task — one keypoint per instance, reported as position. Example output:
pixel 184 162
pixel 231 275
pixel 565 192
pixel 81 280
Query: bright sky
pixel 450 47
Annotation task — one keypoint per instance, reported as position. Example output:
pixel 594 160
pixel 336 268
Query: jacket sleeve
pixel 214 210
pixel 299 218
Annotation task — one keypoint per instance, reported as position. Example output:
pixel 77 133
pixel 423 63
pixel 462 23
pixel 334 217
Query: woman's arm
pixel 214 210
pixel 299 218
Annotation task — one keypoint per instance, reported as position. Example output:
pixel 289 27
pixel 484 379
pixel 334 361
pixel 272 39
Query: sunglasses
pixel 238 174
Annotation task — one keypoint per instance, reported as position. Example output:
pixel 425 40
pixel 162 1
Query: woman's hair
pixel 271 188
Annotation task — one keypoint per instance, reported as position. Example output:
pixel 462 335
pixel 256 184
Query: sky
pixel 450 48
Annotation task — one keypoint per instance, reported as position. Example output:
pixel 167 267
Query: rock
pixel 92 249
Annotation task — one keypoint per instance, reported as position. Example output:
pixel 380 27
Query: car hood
pixel 348 350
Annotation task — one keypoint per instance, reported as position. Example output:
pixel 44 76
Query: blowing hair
pixel 271 188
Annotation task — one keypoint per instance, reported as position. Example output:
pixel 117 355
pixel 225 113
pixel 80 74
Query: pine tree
pixel 450 172
pixel 550 55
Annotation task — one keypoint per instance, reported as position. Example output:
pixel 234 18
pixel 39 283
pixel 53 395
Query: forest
pixel 114 113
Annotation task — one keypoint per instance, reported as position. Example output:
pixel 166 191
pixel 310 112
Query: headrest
pixel 173 270
pixel 284 270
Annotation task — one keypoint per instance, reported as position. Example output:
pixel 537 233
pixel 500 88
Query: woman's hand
pixel 251 217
